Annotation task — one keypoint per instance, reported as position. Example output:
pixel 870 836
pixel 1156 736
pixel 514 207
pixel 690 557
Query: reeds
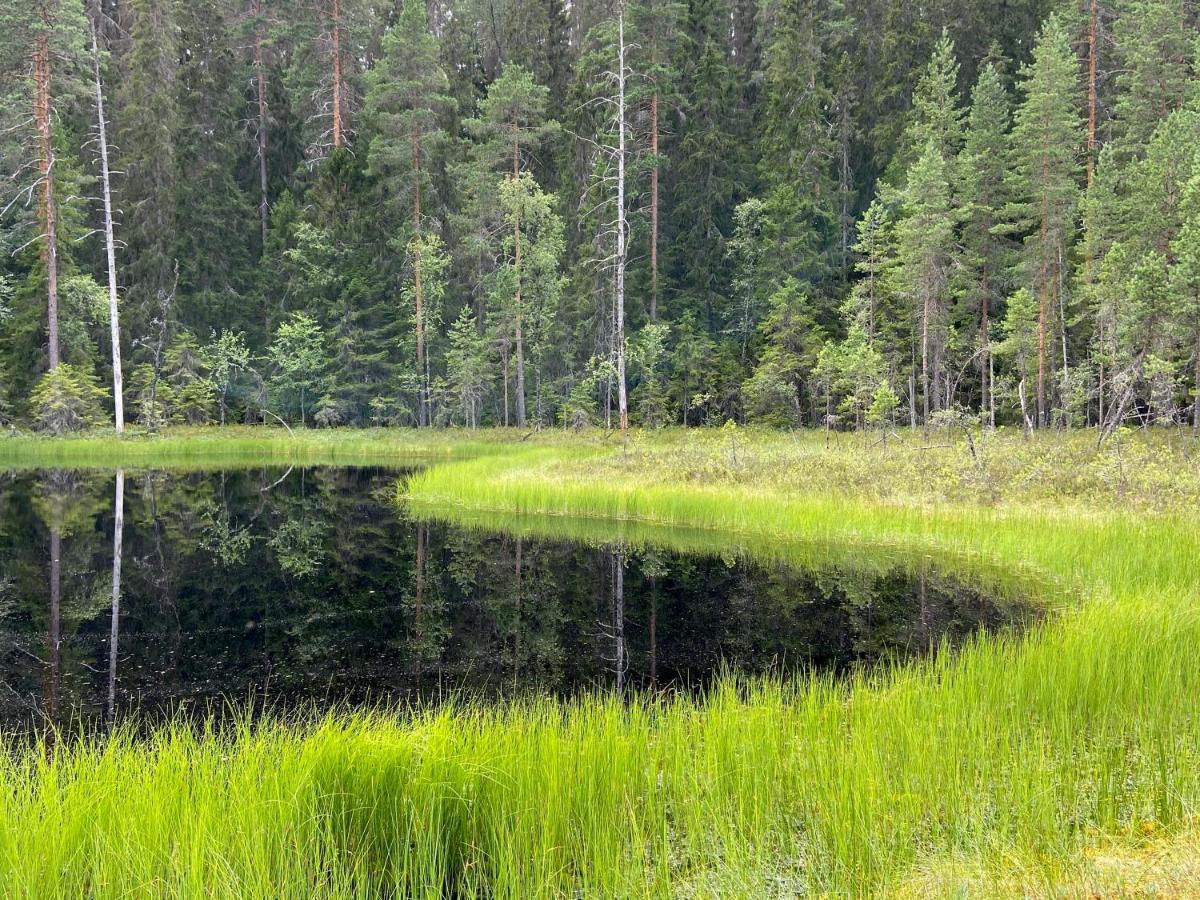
pixel 1015 750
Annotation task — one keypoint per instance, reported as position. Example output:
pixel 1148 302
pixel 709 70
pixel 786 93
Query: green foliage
pixel 67 399
pixel 301 365
pixel 776 128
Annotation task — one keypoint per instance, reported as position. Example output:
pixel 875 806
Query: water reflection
pixel 158 590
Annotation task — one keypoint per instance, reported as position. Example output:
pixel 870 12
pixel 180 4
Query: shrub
pixel 67 399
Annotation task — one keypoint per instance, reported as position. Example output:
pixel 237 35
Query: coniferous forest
pixel 845 213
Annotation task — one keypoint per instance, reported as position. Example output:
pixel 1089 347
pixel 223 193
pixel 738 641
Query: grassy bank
pixel 208 447
pixel 1064 761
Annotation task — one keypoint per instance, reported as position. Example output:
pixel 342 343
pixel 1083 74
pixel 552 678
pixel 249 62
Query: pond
pixel 313 587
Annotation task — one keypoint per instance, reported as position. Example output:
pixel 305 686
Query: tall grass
pixel 1012 749
pixel 206 447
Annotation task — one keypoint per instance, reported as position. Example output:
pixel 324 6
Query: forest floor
pixel 1061 762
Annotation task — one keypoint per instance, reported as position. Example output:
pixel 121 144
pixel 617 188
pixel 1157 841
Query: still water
pixel 311 586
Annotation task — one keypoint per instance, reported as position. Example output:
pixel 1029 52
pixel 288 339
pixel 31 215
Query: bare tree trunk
pixel 114 632
pixel 1043 287
pixel 47 209
pixel 912 402
pixel 1061 295
pixel 1100 388
pixel 520 337
pixel 1196 388
pixel 109 241
pixel 260 73
pixel 925 362
pixel 622 398
pixel 338 137
pixel 985 327
pixel 54 634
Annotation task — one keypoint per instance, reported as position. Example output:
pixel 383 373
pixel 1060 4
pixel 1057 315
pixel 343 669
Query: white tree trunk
pixel 622 398
pixel 109 242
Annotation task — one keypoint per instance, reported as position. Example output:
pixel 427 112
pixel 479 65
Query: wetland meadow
pixel 728 662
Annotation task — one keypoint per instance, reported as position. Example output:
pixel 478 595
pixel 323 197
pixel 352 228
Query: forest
pixel 842 213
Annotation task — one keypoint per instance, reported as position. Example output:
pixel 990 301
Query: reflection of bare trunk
pixel 924 600
pixel 654 631
pixel 118 534
pixel 517 624
pixel 54 635
pixel 422 553
pixel 619 617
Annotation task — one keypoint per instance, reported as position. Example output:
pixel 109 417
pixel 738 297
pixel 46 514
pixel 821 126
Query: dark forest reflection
pixel 152 590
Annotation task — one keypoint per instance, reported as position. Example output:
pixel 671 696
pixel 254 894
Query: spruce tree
pixel 799 141
pixel 406 100
pixel 925 249
pixel 1048 139
pixel 982 167
pixel 147 121
pixel 710 175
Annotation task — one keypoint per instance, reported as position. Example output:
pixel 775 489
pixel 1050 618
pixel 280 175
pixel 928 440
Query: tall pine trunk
pixel 109 241
pixel 338 87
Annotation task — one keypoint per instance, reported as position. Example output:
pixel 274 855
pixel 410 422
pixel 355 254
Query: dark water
pixel 311 585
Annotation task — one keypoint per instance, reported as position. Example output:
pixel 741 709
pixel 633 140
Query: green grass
pixel 212 446
pixel 942 777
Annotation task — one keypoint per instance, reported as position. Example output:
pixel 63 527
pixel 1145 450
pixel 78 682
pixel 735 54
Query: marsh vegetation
pixel 489 751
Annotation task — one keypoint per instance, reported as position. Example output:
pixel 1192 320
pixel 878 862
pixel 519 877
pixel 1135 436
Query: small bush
pixel 67 399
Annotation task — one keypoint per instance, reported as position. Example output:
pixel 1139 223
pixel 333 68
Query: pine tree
pixel 982 167
pixel 1048 138
pixel 937 114
pixel 527 285
pixel 511 125
pixel 656 24
pixel 1154 44
pixel 1185 284
pixel 925 249
pixel 407 98
pixel 40 65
